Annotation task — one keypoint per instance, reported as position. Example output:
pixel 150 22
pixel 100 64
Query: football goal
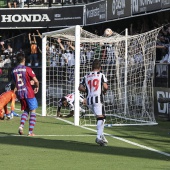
pixel 127 61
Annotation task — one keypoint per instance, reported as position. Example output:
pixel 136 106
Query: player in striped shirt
pixel 95 85
pixel 23 76
pixel 68 101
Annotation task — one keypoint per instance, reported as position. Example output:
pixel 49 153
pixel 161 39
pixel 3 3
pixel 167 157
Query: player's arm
pixel 6 109
pixel 70 115
pixel 39 34
pixel 82 100
pixel 70 45
pixel 39 50
pixel 13 105
pixel 60 44
pixel 36 83
pixel 29 37
pixel 71 107
pixel 13 102
pixel 59 108
pixel 58 112
pixel 105 88
pixel 104 84
pixel 82 88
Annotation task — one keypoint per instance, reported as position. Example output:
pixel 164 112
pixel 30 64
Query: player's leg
pixel 24 116
pixel 2 112
pixel 32 104
pixel 99 111
pixel 82 111
pixel 104 119
pixel 84 104
pixel 102 136
pixel 99 126
pixel 8 115
pixel 96 110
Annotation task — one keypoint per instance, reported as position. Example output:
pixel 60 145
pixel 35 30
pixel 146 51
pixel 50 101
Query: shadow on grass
pixel 76 146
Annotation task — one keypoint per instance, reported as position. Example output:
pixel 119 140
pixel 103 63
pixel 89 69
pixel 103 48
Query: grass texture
pixel 59 145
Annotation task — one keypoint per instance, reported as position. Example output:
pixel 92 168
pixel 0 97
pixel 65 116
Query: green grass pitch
pixel 62 146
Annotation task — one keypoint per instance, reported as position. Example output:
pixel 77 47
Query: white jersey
pixel 93 82
pixel 70 100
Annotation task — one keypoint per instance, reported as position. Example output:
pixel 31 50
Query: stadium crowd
pixel 44 3
pixel 62 53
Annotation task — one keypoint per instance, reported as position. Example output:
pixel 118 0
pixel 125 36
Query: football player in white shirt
pixel 68 101
pixel 95 85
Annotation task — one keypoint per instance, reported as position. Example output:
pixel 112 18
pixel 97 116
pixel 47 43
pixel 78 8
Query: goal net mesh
pixel 127 61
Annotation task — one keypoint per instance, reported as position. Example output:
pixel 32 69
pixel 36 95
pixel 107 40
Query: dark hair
pixel 20 57
pixel 63 99
pixel 96 64
pixel 12 86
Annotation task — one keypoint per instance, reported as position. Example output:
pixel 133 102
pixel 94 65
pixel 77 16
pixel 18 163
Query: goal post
pixel 127 61
pixel 44 41
pixel 77 74
pixel 77 70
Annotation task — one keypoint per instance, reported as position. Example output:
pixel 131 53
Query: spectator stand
pixel 41 3
pixel 162 72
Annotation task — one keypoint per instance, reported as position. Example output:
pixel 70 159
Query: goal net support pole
pixel 43 85
pixel 126 64
pixel 77 74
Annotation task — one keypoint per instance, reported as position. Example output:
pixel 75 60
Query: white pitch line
pixel 118 138
pixel 46 135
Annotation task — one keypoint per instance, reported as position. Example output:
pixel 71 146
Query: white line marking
pixel 46 135
pixel 118 138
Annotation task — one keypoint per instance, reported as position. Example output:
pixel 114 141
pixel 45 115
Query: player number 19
pixel 93 84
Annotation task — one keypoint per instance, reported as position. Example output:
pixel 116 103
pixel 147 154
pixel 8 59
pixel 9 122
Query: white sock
pixel 103 126
pixel 99 128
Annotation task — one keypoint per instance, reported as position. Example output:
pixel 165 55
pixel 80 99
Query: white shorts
pixel 97 109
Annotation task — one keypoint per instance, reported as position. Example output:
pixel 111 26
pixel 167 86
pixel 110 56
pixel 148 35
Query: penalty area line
pixel 1 136
pixel 121 139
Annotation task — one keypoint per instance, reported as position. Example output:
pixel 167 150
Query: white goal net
pixel 127 61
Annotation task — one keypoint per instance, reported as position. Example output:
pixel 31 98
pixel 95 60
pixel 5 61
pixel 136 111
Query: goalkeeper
pixel 68 101
pixel 8 97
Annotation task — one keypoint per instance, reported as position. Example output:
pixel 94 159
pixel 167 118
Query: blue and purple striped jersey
pixel 22 76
